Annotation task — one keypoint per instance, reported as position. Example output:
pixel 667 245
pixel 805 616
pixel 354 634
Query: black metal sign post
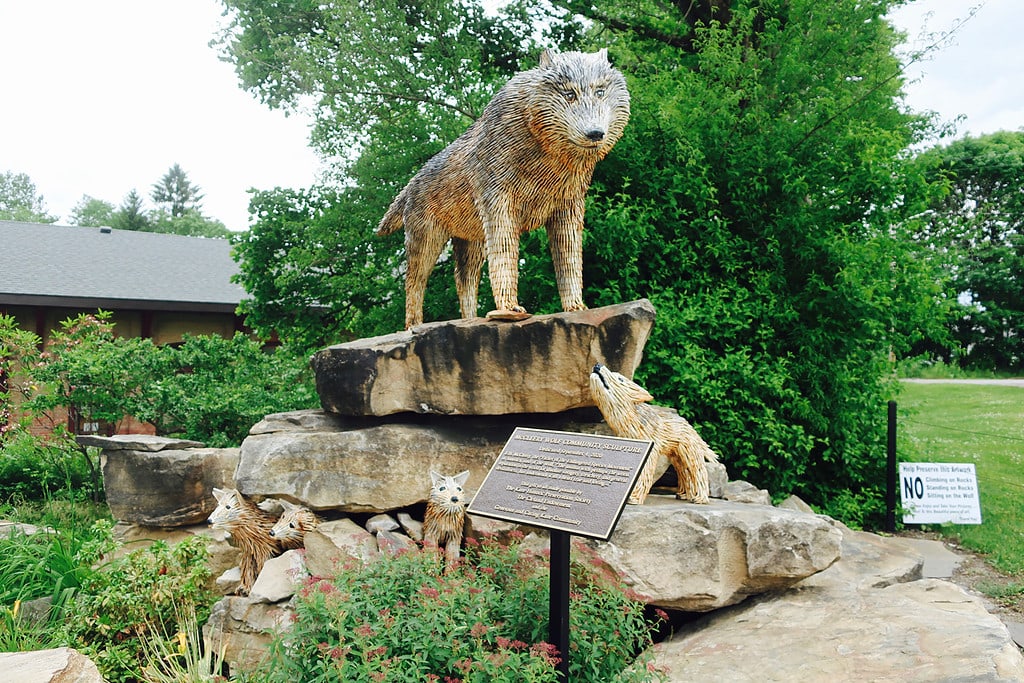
pixel 567 483
pixel 558 600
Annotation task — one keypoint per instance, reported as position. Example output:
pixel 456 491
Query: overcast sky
pixel 102 97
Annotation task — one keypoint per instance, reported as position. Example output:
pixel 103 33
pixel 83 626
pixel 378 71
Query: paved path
pixel 1016 382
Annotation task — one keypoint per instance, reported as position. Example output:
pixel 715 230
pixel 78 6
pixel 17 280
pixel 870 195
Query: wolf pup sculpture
pixel 623 403
pixel 291 527
pixel 445 517
pixel 526 162
pixel 250 528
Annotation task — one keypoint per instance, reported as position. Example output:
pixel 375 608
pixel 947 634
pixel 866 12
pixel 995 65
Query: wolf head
pixel 293 523
pixel 614 393
pixel 229 507
pixel 580 101
pixel 446 492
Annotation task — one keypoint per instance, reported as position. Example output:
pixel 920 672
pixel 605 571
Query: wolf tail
pixel 393 218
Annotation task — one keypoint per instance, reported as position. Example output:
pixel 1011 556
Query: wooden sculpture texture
pixel 623 403
pixel 250 528
pixel 291 527
pixel 526 162
pixel 445 516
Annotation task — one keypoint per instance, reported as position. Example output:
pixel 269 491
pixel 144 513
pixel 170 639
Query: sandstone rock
pixel 229 581
pixel 7 528
pixel 412 527
pixel 392 543
pixel 359 465
pixel 280 577
pixel 243 630
pixel 480 367
pixel 743 492
pixel 59 665
pixel 381 522
pixel 854 621
pixel 165 488
pixel 136 442
pixel 697 558
pixel 332 543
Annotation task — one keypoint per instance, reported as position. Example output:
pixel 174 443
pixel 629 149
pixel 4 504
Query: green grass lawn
pixel 978 424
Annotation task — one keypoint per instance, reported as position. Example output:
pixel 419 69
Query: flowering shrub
pixel 407 618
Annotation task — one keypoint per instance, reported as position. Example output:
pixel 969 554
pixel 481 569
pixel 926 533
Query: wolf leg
pixel 565 238
pixel 469 260
pixel 503 257
pixel 423 244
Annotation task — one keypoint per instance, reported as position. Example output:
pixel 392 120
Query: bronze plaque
pixel 562 480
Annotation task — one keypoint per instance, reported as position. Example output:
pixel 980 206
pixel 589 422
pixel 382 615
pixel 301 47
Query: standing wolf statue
pixel 526 162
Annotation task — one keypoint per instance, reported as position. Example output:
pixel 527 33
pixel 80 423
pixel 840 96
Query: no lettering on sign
pixel 565 481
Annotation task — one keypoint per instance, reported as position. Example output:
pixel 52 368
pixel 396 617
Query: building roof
pixel 71 266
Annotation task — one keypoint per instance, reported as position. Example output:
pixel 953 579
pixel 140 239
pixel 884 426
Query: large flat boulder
pixel 698 558
pixel 480 367
pixel 864 619
pixel 327 462
pixel 58 665
pixel 167 487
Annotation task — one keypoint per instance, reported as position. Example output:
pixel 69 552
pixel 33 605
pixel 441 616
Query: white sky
pixel 102 97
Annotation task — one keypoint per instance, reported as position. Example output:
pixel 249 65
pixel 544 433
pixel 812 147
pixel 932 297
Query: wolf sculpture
pixel 526 162
pixel 445 517
pixel 249 527
pixel 293 524
pixel 623 403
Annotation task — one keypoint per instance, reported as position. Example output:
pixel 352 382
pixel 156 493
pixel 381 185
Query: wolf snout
pixel 595 135
pixel 597 367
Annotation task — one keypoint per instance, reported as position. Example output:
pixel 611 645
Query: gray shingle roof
pixel 62 265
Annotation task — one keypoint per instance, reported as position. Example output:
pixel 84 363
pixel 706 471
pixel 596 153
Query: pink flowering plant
pixel 406 618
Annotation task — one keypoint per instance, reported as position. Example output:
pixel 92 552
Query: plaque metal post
pixel 558 601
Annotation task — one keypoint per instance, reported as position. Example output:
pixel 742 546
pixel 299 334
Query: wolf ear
pixel 547 58
pixel 435 477
pixel 461 478
pixel 219 493
pixel 602 55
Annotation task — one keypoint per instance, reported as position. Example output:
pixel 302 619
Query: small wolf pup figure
pixel 445 517
pixel 623 403
pixel 291 527
pixel 526 162
pixel 250 528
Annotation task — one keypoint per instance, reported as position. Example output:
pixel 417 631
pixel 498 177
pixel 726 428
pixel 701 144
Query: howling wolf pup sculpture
pixel 445 517
pixel 526 162
pixel 623 403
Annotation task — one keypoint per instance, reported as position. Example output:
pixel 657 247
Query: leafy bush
pixel 207 388
pixel 138 597
pixel 406 618
pixel 34 468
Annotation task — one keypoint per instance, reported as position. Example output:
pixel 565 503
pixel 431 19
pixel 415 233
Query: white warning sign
pixel 939 493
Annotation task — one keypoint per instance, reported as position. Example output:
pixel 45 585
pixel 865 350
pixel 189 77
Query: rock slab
pixel 697 558
pixel 166 487
pixel 58 665
pixel 867 618
pixel 328 462
pixel 480 367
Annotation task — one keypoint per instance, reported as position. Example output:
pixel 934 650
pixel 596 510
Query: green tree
pixel 758 198
pixel 176 192
pixel 19 201
pixel 130 215
pixel 191 222
pixel 976 224
pixel 92 212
